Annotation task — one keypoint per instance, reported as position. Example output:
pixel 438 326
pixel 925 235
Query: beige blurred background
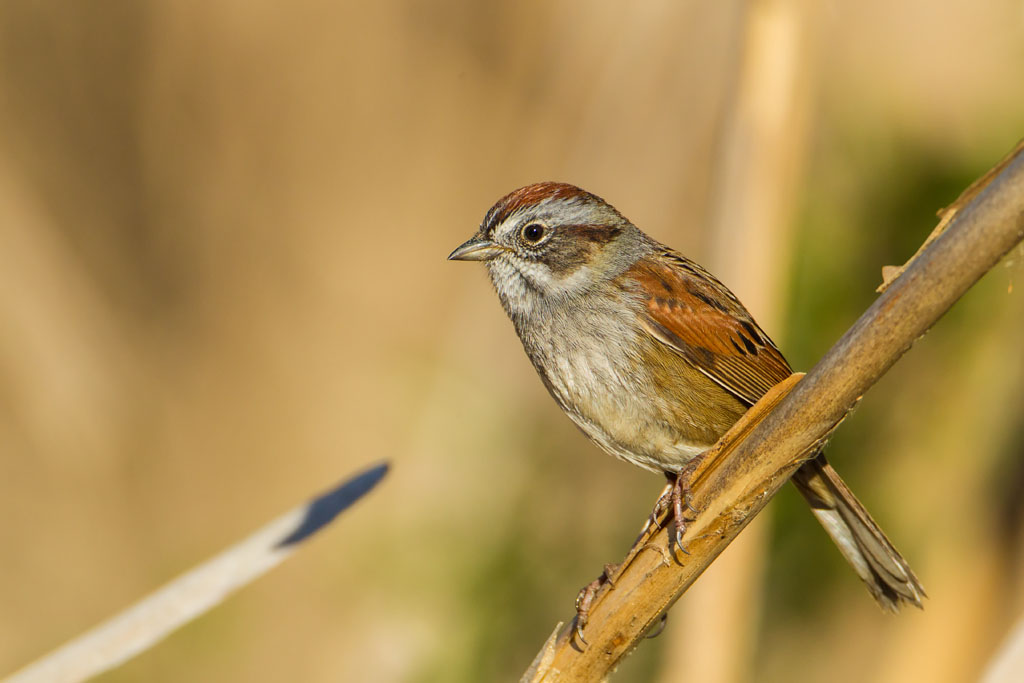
pixel 223 286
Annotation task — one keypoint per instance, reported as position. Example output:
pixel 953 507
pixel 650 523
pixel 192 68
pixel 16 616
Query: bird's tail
pixel 859 538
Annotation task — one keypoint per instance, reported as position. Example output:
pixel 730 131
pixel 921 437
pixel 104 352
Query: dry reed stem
pixel 757 456
pixel 1007 664
pixel 144 624
pixel 946 215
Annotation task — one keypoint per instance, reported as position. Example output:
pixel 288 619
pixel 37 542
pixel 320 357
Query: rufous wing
pixel 690 311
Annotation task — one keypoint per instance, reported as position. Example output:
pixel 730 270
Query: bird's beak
pixel 476 248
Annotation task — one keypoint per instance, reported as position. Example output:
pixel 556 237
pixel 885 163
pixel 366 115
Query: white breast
pixel 588 356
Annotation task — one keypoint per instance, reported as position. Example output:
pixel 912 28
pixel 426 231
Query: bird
pixel 651 356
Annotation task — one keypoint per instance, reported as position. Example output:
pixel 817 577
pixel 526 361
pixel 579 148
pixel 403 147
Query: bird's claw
pixel 657 630
pixel 680 530
pixel 579 632
pixel 585 598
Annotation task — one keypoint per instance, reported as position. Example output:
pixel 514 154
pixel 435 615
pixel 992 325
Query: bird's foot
pixel 586 598
pixel 681 499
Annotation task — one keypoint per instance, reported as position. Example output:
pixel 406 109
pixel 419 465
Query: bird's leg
pixel 675 497
pixel 586 598
pixel 663 504
pixel 681 495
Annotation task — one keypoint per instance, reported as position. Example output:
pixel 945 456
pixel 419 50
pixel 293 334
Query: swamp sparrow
pixel 650 355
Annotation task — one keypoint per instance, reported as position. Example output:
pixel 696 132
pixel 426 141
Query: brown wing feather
pixel 689 310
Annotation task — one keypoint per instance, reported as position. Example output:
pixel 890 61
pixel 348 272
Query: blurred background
pixel 223 287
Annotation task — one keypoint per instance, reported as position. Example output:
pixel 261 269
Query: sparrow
pixel 650 355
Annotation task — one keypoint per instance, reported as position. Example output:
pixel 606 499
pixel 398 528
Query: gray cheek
pixel 565 257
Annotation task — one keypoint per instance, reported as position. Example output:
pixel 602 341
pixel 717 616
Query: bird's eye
pixel 533 232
